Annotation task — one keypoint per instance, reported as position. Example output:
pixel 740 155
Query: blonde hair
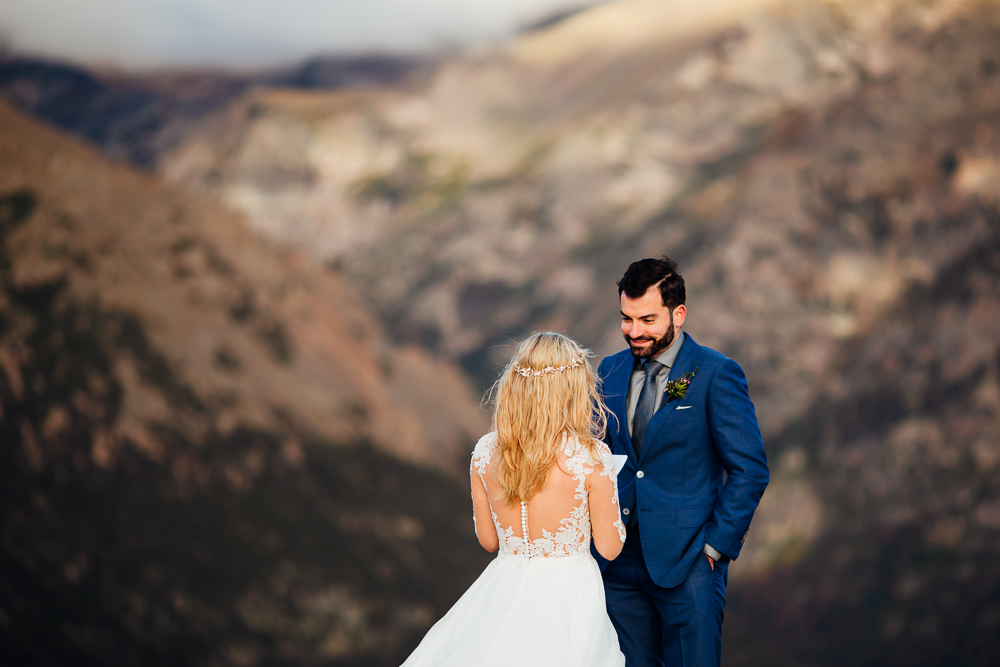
pixel 533 411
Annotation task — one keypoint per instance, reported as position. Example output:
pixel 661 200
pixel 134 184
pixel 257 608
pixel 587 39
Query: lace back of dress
pixel 565 531
pixel 562 510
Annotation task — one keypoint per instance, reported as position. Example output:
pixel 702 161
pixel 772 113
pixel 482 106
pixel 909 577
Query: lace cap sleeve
pixel 483 452
pixel 605 458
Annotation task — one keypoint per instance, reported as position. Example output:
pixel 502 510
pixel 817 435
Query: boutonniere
pixel 678 388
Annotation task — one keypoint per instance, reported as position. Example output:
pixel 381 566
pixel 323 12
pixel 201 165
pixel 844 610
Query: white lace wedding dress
pixel 541 601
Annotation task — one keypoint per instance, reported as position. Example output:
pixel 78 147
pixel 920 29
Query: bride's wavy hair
pixel 534 408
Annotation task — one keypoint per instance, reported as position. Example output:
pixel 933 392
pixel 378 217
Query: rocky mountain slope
pixel 264 339
pixel 826 174
pixel 209 452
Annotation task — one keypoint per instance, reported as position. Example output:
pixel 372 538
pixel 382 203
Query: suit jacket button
pixel 625 511
pixel 640 474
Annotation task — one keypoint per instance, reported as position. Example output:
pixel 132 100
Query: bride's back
pixel 577 501
pixel 542 486
pixel 546 394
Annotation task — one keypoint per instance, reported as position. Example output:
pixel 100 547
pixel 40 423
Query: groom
pixel 667 590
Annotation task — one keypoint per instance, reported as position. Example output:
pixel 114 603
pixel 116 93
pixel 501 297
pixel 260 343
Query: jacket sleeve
pixel 736 434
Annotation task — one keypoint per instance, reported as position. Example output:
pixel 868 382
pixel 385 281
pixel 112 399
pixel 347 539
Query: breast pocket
pixel 685 412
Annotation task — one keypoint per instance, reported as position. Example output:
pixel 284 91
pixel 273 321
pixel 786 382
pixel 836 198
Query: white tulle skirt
pixel 523 613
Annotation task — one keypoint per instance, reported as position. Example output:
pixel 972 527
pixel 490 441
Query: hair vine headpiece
pixel 527 372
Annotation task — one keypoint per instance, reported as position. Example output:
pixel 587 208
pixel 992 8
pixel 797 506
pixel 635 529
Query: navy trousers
pixel 666 627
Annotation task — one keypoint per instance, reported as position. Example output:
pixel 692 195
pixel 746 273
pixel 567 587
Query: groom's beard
pixel 659 344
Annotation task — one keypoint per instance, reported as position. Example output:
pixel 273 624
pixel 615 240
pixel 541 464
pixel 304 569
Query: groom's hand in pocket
pixel 711 562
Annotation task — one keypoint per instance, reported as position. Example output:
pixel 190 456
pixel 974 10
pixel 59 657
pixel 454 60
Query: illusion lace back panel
pixel 578 491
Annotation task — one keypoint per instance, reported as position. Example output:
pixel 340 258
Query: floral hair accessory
pixel 678 389
pixel 527 372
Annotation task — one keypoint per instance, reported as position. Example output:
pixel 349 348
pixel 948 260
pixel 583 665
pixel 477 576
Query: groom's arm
pixel 736 434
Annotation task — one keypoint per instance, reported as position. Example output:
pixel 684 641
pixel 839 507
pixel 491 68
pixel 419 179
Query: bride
pixel 543 473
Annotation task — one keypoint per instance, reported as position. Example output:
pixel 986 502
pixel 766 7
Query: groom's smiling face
pixel 649 327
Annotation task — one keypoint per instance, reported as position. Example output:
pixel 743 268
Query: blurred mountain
pixel 329 72
pixel 209 452
pixel 511 190
pixel 826 174
pixel 265 339
pixel 136 118
pixel 903 448
pixel 558 16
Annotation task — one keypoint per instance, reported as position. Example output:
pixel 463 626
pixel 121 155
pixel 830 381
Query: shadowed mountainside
pixel 203 441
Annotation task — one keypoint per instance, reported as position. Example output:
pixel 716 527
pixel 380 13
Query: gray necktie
pixel 644 408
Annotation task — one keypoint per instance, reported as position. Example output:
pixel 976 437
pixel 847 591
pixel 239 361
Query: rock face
pixel 826 174
pixel 209 452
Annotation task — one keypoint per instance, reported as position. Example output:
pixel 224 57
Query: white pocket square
pixel 684 407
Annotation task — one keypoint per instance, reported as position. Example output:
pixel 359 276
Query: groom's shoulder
pixel 713 356
pixel 710 358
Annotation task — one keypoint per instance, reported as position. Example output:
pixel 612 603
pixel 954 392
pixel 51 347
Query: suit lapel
pixel 686 361
pixel 616 396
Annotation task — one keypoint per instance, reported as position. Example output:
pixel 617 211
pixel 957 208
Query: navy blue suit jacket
pixel 680 497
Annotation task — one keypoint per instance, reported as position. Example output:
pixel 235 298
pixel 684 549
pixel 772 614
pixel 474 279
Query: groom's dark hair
pixel 641 275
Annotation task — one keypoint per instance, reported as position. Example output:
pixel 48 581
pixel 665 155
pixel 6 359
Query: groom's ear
pixel 679 315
